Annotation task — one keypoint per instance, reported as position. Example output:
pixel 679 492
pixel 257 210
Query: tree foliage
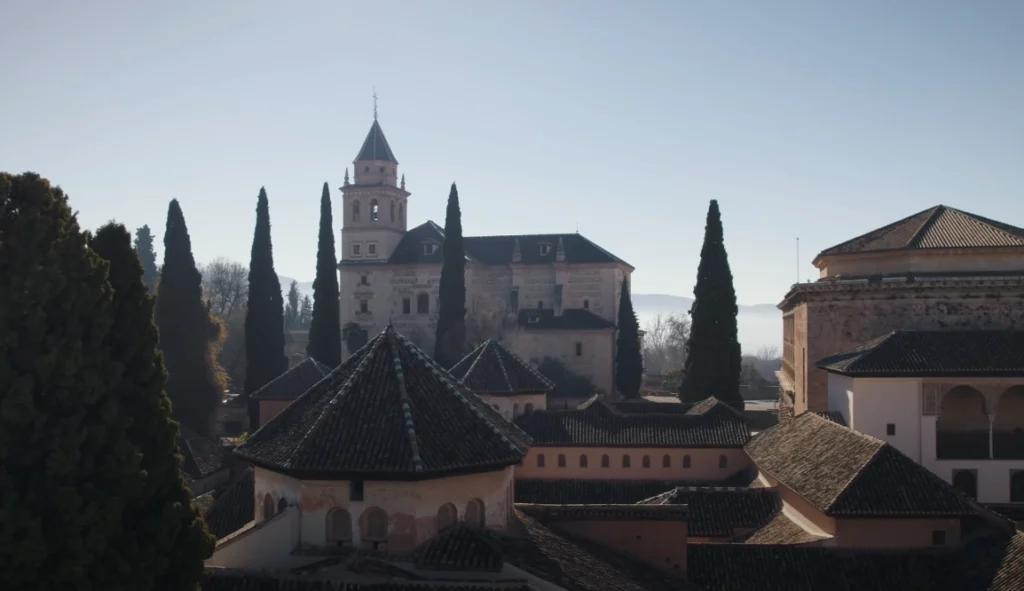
pixel 629 361
pixel 147 256
pixel 162 537
pixel 713 352
pixel 449 342
pixel 190 336
pixel 325 325
pixel 226 289
pixel 664 346
pixel 264 319
pixel 305 312
pixel 291 307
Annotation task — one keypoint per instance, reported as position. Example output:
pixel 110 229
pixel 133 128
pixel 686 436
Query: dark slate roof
pixel 239 580
pixel 294 382
pixel 604 491
pixel 722 511
pixel 570 319
pixel 643 407
pixel 228 510
pixel 598 424
pixel 619 512
pixel 492 369
pixel 200 456
pixel 459 548
pixel 782 530
pixel 848 474
pixel 937 227
pixel 497 250
pixel 375 146
pixel 389 412
pixel 918 353
pixel 832 415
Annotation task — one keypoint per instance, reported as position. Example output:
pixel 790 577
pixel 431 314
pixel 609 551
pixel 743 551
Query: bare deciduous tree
pixel 665 343
pixel 768 353
pixel 225 286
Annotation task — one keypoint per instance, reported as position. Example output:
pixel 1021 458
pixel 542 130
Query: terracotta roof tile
pixel 228 510
pixel 200 456
pixel 492 369
pixel 782 530
pixel 832 415
pixel 952 353
pixel 598 424
pixel 388 412
pixel 294 382
pixel 459 548
pixel 722 511
pixel 845 473
pixel 621 512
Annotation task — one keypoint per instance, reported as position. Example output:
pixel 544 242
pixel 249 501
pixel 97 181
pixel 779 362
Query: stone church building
pixel 542 295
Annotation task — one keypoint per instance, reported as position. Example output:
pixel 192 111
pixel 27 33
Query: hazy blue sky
pixel 817 119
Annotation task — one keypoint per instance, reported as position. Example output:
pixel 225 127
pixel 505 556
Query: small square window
pixel 355 491
pixel 371 248
pixel 890 429
pixel 364 306
pixel 586 304
pixel 406 306
pixel 429 248
pixel 939 537
pixel 355 249
pixel 544 249
pixel 579 349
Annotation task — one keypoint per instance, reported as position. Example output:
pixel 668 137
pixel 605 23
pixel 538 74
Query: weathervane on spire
pixel 374 103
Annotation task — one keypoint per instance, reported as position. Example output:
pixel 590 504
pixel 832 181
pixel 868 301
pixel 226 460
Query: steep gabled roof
pixel 722 511
pixel 492 369
pixel 934 353
pixel 200 456
pixel 294 382
pixel 228 510
pixel 389 412
pixel 938 227
pixel 845 473
pixel 375 146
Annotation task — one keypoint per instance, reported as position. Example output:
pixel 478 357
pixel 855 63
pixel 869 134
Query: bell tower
pixel 375 201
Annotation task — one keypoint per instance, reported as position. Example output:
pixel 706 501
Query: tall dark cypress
pixel 190 335
pixel 449 343
pixel 325 329
pixel 163 536
pixel 629 359
pixel 147 256
pixel 264 318
pixel 713 352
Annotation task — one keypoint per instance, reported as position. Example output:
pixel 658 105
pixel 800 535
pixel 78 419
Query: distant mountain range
pixel 759 325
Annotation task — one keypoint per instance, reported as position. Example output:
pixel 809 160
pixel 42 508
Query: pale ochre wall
pixel 270 409
pixel 595 362
pixel 922 261
pixel 264 544
pixel 512 406
pixel 894 533
pixel 703 463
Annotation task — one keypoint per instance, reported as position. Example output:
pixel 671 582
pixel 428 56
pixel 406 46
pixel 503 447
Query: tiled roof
pixel 498 250
pixel 644 407
pixel 294 382
pixel 459 548
pixel 848 474
pixel 570 319
pixel 492 369
pixel 389 412
pixel 952 353
pixel 832 415
pixel 937 227
pixel 782 530
pixel 375 146
pixel 200 456
pixel 624 512
pixel 228 510
pixel 598 424
pixel 239 580
pixel 722 511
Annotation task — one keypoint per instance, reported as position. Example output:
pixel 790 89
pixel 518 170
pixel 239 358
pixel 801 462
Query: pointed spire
pixel 403 181
pixel 375 146
pixel 517 254
pixel 374 103
pixel 346 177
pixel 560 251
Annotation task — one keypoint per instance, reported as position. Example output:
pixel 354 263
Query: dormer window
pixel 533 319
pixel 429 248
pixel 545 248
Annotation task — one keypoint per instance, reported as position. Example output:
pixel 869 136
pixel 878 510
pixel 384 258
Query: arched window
pixel 529 408
pixel 376 525
pixel 475 513
pixel 423 304
pixel 583 461
pixel 374 210
pixel 586 304
pixel 1017 487
pixel 268 506
pixel 966 481
pixel 686 461
pixel 666 461
pixel 561 460
pixel 540 460
pixel 282 505
pixel 447 515
pixel 355 211
pixel 605 461
pixel 723 462
pixel 646 461
pixel 339 526
pixel 392 211
pixel 625 461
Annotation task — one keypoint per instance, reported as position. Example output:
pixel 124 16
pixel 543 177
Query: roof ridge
pixel 863 466
pixel 929 221
pixel 528 367
pixel 410 426
pixel 501 364
pixel 482 349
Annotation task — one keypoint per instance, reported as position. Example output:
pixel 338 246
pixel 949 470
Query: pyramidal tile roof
pixel 937 227
pixel 294 382
pixel 492 369
pixel 389 412
pixel 375 146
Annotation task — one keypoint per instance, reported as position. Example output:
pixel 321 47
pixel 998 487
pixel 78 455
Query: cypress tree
pixel 713 361
pixel 325 328
pixel 629 359
pixel 67 463
pixel 147 256
pixel 449 342
pixel 190 336
pixel 163 537
pixel 291 308
pixel 264 318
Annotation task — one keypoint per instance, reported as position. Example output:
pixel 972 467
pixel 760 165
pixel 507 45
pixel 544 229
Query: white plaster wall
pixel 993 475
pixel 596 362
pixel 840 395
pixel 268 545
pixel 877 402
pixel 278 486
pixel 514 406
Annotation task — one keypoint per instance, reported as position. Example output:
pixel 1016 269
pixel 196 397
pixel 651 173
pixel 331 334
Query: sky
pixel 620 120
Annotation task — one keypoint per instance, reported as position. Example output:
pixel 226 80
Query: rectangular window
pixel 371 248
pixel 355 250
pixel 686 461
pixel 364 306
pixel 406 306
pixel 579 349
pixel 513 300
pixel 355 491
pixel 939 538
pixel 890 429
pixel 723 462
